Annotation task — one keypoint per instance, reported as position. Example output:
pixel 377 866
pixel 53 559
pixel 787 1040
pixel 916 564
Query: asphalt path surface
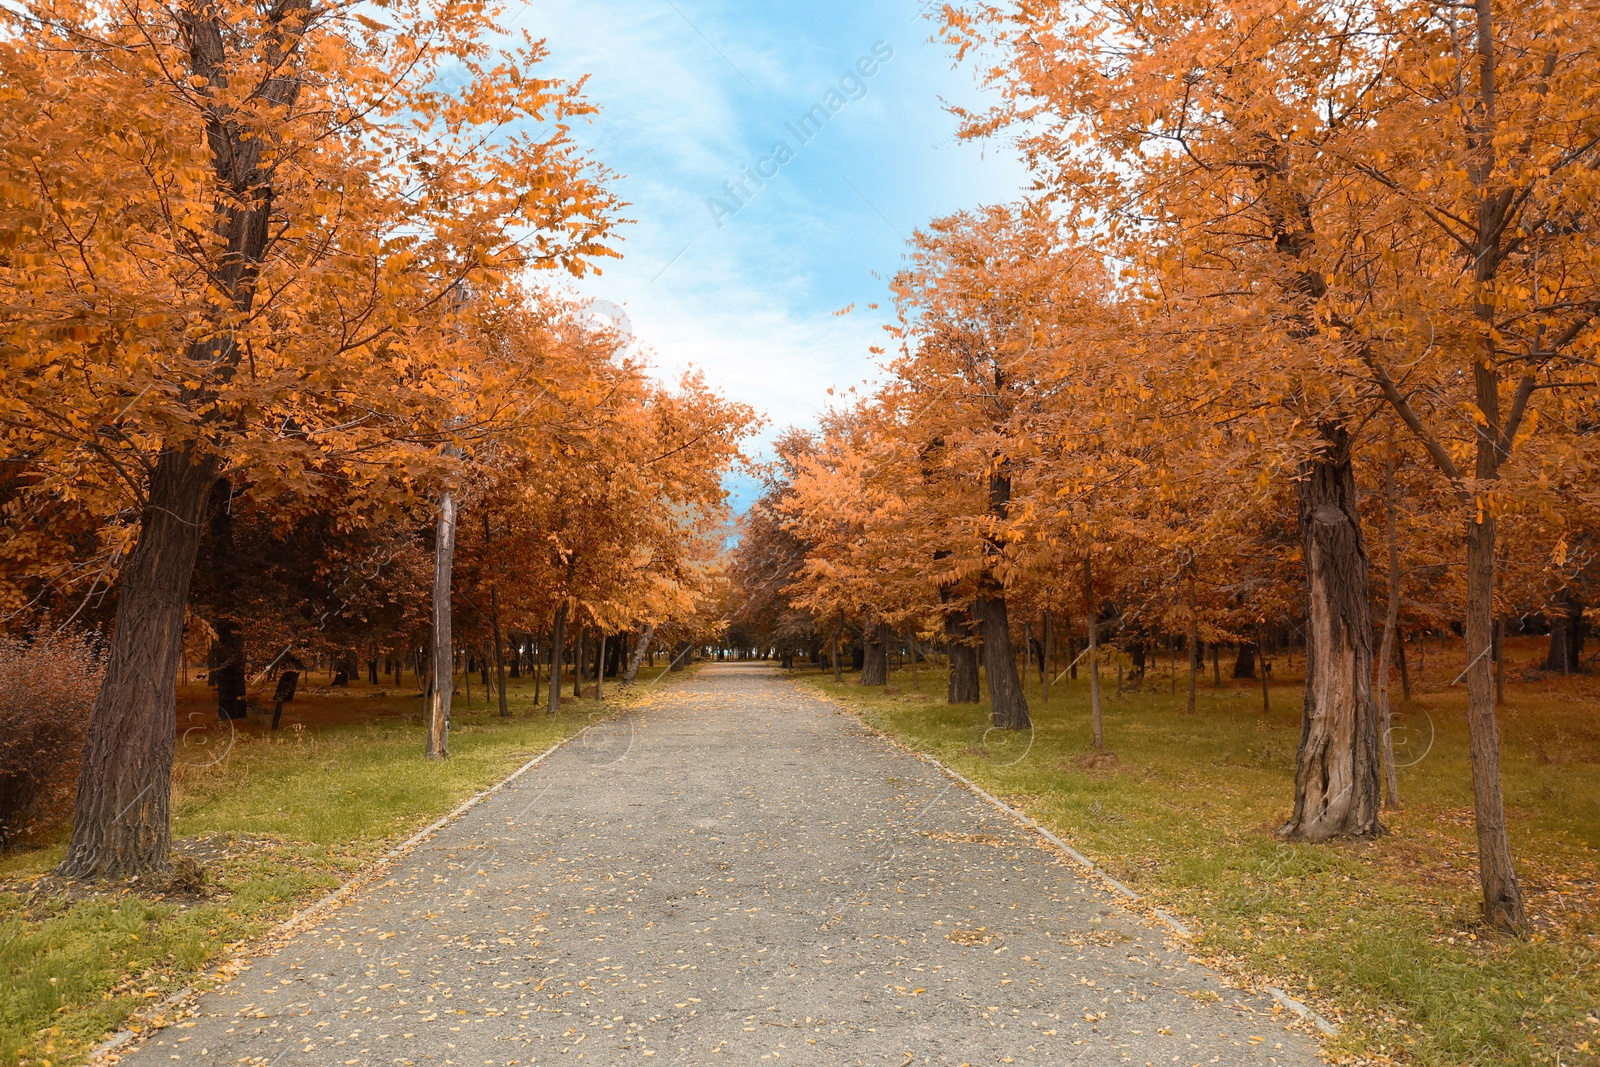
pixel 734 873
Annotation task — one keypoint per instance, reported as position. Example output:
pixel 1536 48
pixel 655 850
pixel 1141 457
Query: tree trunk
pixel 600 669
pixel 875 662
pixel 1008 706
pixel 558 640
pixel 911 646
pixel 1502 894
pixel 1566 635
pixel 121 817
pixel 1047 661
pixel 1009 709
pixel 580 661
pixel 1337 789
pixel 639 648
pixel 1092 613
pixel 1266 699
pixel 227 656
pixel 442 677
pixel 1391 627
pixel 1216 666
pixel 1194 637
pixel 1027 657
pixel 838 631
pixel 962 687
pixel 1244 664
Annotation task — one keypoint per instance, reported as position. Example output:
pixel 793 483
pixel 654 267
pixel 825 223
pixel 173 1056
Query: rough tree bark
pixel 121 819
pixel 963 655
pixel 875 665
pixel 1566 634
pixel 1244 664
pixel 1337 789
pixel 121 823
pixel 1009 708
pixel 640 646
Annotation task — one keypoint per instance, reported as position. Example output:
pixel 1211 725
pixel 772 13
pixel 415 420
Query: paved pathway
pixel 736 874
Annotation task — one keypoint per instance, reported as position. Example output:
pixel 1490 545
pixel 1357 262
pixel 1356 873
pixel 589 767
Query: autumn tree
pixel 229 236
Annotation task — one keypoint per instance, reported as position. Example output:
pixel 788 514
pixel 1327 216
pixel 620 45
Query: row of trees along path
pixel 269 277
pixel 1271 253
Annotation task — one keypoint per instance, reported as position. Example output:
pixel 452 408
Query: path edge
pixel 107 1051
pixel 1300 1008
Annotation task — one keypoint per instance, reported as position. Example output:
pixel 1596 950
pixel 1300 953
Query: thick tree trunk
pixel 1502 894
pixel 1337 790
pixel 1009 708
pixel 1244 664
pixel 1566 635
pixel 121 823
pixel 875 663
pixel 1092 613
pixel 442 677
pixel 558 640
pixel 639 648
pixel 681 658
pixel 958 634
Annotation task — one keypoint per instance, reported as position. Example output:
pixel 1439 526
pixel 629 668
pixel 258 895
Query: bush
pixel 47 687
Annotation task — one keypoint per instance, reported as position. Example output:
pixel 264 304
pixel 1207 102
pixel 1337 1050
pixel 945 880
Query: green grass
pixel 1384 936
pixel 277 822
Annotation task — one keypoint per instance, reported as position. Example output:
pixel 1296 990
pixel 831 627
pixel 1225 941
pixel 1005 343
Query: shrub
pixel 47 687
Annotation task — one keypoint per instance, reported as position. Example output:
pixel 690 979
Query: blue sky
pixel 692 93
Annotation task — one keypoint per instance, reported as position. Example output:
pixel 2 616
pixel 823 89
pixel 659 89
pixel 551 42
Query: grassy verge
pixel 276 820
pixel 1383 936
